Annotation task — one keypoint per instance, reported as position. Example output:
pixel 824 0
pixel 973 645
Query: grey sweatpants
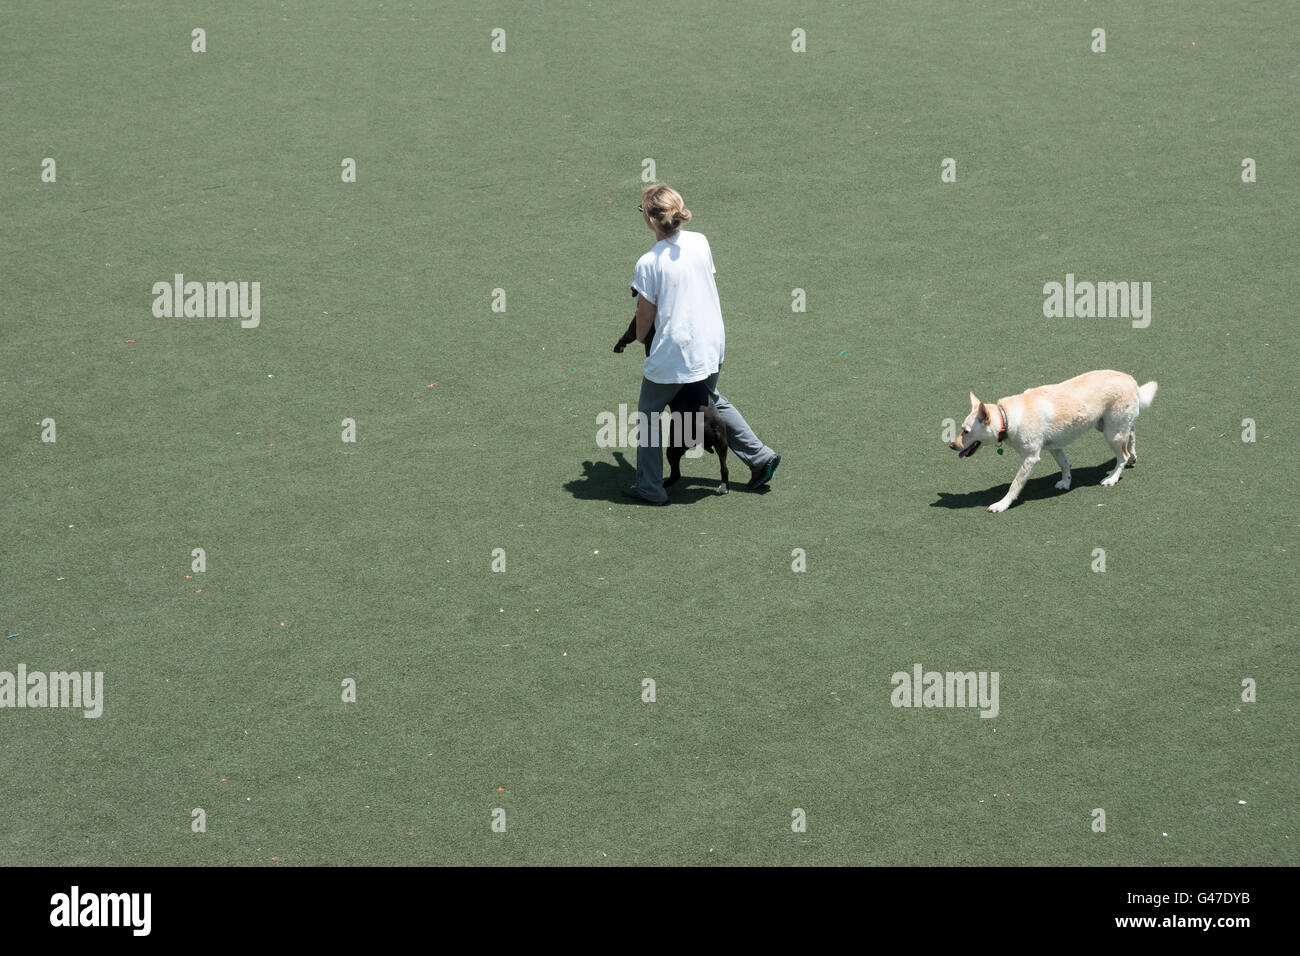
pixel 650 458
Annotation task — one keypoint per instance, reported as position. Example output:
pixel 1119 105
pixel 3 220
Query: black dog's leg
pixel 676 448
pixel 674 462
pixel 715 434
pixel 722 463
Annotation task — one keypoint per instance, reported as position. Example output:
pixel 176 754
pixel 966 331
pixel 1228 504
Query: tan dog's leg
pixel 1026 466
pixel 1119 445
pixel 1059 455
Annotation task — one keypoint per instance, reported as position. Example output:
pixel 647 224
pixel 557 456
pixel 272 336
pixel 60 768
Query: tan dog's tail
pixel 1146 394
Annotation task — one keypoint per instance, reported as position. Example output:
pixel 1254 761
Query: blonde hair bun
pixel 665 207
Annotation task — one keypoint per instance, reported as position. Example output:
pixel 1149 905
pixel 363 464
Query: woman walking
pixel 677 297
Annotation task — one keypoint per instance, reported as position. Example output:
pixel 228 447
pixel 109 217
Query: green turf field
pixel 371 560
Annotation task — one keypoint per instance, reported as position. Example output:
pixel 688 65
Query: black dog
pixel 693 399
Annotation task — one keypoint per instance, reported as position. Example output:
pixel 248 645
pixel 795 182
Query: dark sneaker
pixel 631 492
pixel 763 473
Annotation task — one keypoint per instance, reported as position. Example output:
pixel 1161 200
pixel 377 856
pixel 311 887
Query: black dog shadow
pixel 1035 488
pixel 601 480
pixel 604 481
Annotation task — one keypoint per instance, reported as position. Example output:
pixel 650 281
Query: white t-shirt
pixel 676 276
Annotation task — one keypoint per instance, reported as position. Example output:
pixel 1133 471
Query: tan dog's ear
pixel 974 402
pixel 984 413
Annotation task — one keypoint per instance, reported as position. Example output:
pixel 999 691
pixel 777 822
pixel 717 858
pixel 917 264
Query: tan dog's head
pixel 975 430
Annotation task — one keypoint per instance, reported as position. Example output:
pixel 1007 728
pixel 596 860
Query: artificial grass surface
pixel 521 171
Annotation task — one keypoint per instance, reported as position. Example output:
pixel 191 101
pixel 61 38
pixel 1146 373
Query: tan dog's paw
pixel 1063 485
pixel 1110 480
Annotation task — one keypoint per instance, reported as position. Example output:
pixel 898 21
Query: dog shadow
pixel 1035 488
pixel 604 481
pixel 601 480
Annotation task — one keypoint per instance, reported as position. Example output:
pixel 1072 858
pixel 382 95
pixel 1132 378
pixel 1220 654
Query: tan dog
pixel 1051 416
